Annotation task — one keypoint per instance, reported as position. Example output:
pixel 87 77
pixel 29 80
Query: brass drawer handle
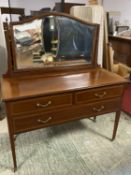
pixel 98 109
pixel 100 95
pixel 44 121
pixel 43 106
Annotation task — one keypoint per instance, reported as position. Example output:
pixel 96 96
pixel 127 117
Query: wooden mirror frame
pixel 50 71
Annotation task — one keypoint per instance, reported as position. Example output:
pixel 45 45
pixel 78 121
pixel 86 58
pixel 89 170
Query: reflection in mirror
pixel 53 41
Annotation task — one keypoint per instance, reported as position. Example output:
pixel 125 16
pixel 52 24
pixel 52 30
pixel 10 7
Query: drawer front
pixel 35 105
pixel 98 94
pixel 35 121
pixel 31 122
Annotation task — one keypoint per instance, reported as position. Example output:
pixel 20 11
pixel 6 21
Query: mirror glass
pixel 53 41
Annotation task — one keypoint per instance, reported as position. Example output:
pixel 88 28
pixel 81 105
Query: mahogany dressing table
pixel 53 76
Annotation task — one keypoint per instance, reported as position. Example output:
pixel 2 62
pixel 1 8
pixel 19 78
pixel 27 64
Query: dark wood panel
pixel 18 11
pixel 122 49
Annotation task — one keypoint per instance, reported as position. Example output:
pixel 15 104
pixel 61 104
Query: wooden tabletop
pixel 120 38
pixel 19 88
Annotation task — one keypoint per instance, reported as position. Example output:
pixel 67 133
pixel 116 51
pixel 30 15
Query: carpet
pixel 76 148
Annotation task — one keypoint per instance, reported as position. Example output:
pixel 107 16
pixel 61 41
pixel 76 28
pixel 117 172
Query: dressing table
pixel 53 76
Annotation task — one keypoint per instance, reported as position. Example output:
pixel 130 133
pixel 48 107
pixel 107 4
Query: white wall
pixel 28 5
pixel 33 4
pixel 81 1
pixel 3 50
pixel 124 6
pixel 3 3
pixel 77 1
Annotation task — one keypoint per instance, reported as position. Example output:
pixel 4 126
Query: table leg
pixel 116 122
pixel 94 119
pixel 11 136
pixel 12 142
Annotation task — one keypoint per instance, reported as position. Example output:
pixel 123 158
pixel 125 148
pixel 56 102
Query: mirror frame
pixel 12 66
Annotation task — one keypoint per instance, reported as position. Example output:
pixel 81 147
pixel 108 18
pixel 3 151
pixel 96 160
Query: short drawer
pixel 35 105
pixel 87 96
pixel 98 108
pixel 31 122
pixel 34 122
pixel 42 120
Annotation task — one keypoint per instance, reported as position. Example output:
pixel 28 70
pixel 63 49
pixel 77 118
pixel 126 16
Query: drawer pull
pixel 100 95
pixel 43 106
pixel 98 109
pixel 44 121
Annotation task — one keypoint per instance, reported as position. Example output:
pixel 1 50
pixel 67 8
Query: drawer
pixel 98 108
pixel 75 112
pixel 97 94
pixel 35 105
pixel 34 122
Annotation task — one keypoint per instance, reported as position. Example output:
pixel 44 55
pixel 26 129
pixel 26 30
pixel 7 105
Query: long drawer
pixel 36 105
pixel 96 94
pixel 31 122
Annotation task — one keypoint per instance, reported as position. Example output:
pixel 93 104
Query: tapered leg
pixel 94 119
pixel 12 142
pixel 117 117
pixel 11 135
